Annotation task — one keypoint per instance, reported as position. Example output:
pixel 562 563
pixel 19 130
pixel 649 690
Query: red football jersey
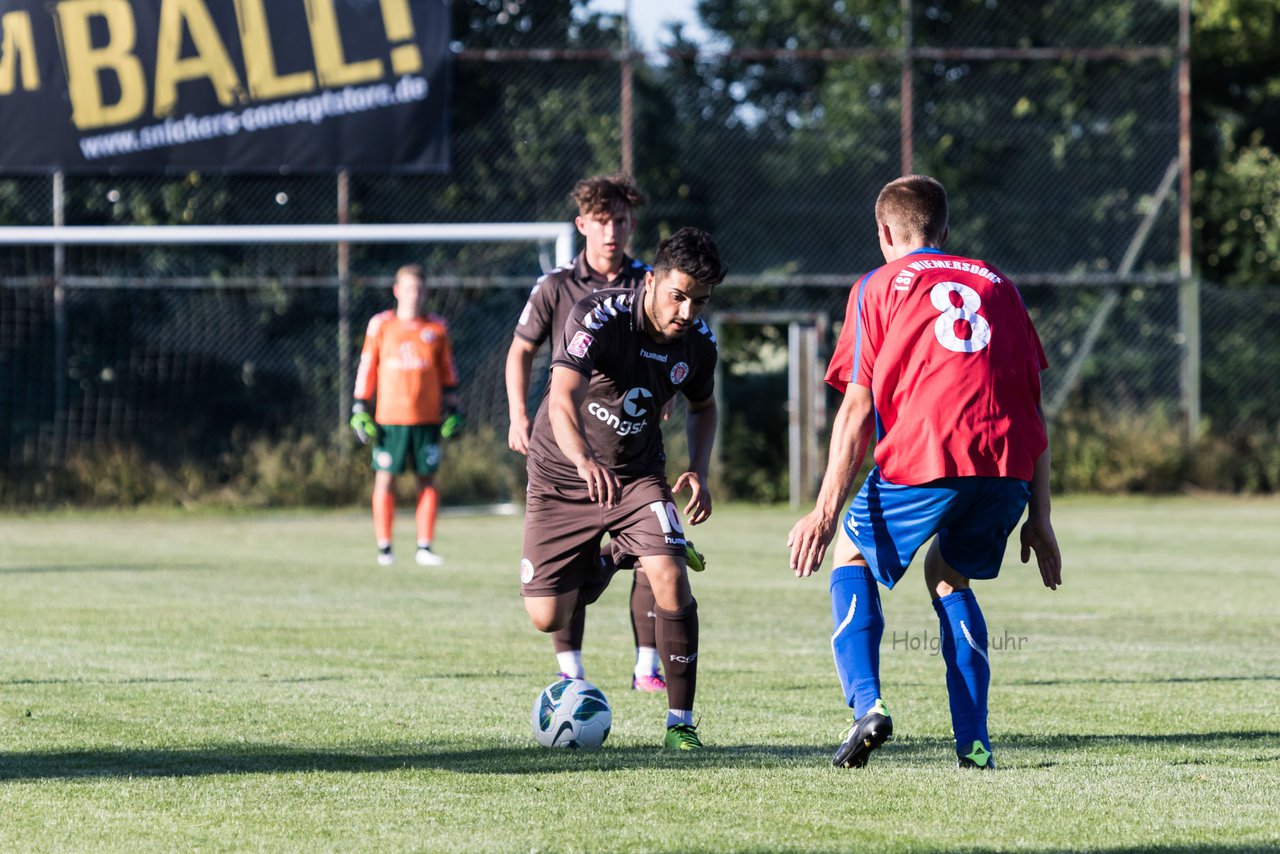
pixel 953 363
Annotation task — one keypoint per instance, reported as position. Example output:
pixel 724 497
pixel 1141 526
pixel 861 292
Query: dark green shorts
pixel 399 443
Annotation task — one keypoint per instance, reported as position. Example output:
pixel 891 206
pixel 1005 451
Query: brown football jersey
pixel 631 377
pixel 555 294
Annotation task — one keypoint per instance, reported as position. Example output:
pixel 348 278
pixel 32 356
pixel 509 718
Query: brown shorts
pixel 563 527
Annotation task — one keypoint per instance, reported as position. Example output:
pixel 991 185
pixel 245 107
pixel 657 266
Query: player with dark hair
pixel 407 365
pixel 596 462
pixel 606 216
pixel 939 355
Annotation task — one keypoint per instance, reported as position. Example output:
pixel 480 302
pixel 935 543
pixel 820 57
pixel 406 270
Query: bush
pixel 1119 453
pixel 479 468
pixel 1146 453
pixel 296 470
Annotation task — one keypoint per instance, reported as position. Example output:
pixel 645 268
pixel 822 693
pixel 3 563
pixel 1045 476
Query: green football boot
pixel 978 757
pixel 682 737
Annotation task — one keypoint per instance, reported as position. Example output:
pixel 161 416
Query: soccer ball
pixel 571 713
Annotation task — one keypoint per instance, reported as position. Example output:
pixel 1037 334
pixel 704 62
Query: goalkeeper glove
pixel 362 424
pixel 453 425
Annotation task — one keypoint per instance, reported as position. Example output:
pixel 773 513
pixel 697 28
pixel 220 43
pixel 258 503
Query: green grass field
pixel 215 682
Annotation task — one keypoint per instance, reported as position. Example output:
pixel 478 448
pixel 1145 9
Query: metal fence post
pixel 627 112
pixel 59 323
pixel 907 87
pixel 807 417
pixel 1189 288
pixel 344 299
pixel 1189 322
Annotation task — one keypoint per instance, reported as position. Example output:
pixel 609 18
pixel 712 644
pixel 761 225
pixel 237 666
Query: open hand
pixel 698 510
pixel 603 486
pixel 808 541
pixel 518 435
pixel 1037 535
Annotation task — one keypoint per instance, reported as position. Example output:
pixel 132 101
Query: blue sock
pixel 859 625
pixel 964 648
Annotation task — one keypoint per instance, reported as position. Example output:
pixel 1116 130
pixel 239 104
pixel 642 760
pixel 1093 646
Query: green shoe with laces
pixel 682 737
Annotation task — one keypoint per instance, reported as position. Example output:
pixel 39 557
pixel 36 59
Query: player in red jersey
pixel 939 355
pixel 407 365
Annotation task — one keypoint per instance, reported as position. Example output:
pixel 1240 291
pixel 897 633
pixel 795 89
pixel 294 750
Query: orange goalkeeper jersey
pixel 406 365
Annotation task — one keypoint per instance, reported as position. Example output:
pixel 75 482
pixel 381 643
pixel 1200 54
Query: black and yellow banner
pixel 224 85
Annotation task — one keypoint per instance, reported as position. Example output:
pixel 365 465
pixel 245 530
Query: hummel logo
pixel 657 357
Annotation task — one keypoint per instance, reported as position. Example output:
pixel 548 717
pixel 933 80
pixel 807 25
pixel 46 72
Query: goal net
pixel 174 338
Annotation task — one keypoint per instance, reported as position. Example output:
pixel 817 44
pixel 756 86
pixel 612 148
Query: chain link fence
pixel 1054 129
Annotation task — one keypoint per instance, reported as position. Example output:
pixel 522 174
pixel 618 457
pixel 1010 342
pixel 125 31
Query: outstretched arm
pixel 700 427
pixel 850 434
pixel 1037 532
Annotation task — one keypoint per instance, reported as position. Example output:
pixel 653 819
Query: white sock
pixel 571 663
pixel 679 716
pixel 646 661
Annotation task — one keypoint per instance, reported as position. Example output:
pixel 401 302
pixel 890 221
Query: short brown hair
pixel 602 193
pixel 410 270
pixel 915 207
pixel 693 252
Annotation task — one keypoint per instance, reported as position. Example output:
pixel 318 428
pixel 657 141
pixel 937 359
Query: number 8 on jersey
pixel 945 327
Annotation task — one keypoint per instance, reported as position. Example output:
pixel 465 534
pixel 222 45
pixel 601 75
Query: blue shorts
pixel 972 516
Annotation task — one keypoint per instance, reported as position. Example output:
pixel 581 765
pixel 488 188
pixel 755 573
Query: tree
pixel 1236 91
pixel 1051 163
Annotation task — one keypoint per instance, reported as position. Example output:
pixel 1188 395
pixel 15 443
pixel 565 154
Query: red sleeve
pixel 1041 359
pixel 870 333
pixel 843 360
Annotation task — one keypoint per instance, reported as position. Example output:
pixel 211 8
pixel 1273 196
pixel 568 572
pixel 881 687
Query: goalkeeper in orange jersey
pixel 407 367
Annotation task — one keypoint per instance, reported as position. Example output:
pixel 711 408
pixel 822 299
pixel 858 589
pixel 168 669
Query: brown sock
pixel 642 613
pixel 677 633
pixel 570 637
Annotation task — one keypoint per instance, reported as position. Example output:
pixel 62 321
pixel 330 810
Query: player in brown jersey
pixel 596 461
pixel 606 217
pixel 407 365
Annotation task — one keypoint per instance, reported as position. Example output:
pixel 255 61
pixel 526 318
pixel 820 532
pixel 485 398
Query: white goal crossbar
pixel 562 234
pixel 60 237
